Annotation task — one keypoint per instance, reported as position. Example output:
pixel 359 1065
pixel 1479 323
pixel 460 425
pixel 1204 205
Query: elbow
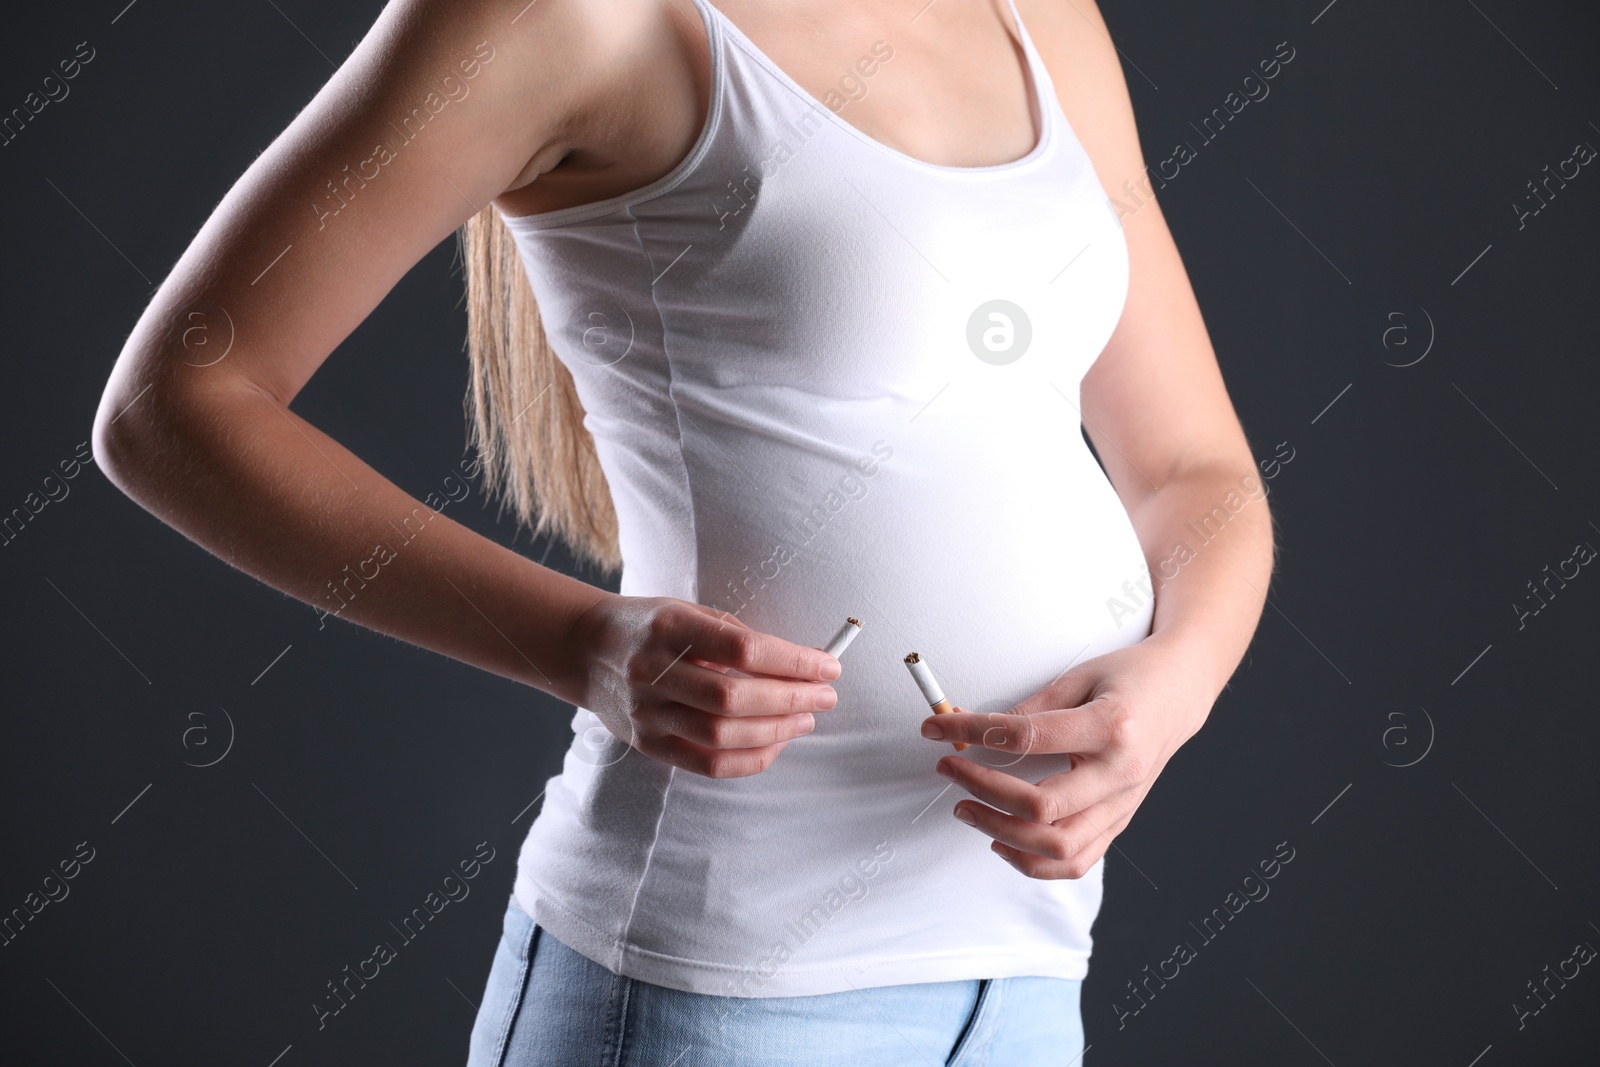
pixel 140 428
pixel 115 420
pixel 146 412
pixel 157 437
pixel 159 418
pixel 107 447
pixel 115 438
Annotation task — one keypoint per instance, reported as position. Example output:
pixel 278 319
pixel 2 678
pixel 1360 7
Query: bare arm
pixel 1156 409
pixel 213 448
pixel 469 104
pixel 1154 403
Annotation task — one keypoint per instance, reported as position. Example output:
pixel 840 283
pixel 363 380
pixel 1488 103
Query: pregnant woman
pixel 792 310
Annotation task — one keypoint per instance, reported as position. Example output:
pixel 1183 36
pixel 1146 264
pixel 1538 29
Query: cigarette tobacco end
pixel 912 657
pixel 852 620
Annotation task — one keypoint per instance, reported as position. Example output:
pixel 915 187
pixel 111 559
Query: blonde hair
pixel 525 417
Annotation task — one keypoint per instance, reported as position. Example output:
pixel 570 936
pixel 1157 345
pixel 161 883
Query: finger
pixel 724 693
pixel 1079 864
pixel 1023 835
pixel 727 617
pixel 723 731
pixel 1054 841
pixel 709 762
pixel 723 618
pixel 1071 839
pixel 1087 728
pixel 1070 688
pixel 734 620
pixel 1052 799
pixel 751 651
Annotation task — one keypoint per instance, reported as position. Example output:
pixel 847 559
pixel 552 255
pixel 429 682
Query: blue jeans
pixel 545 1005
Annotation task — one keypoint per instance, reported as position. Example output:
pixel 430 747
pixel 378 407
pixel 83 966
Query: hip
pixel 546 1005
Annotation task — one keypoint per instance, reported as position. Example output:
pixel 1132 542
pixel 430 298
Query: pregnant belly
pixel 988 541
pixel 988 544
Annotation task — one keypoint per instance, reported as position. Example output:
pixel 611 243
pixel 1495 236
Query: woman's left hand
pixel 1121 716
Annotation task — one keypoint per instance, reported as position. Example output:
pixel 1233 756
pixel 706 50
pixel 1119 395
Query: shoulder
pixel 1086 69
pixel 563 50
pixel 598 28
pixel 541 69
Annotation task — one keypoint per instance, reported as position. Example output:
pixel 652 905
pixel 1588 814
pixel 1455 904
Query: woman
pixel 792 309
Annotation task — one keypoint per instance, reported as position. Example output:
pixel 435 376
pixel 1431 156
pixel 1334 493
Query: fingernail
pixel 808 724
pixel 943 770
pixel 932 731
pixel 824 699
pixel 831 669
pixel 966 816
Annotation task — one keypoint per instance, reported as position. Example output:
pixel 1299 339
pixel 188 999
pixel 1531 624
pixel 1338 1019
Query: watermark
pixel 53 889
pixel 849 489
pixel 1204 529
pixel 53 89
pixel 852 86
pixel 1582 553
pixel 55 489
pixel 1271 468
pixel 206 335
pixel 600 341
pixel 1255 890
pixel 453 888
pixel 1530 206
pixel 743 189
pixel 1582 154
pixel 451 89
pixel 1398 742
pixel 999 332
pixel 1397 335
pixel 1253 89
pixel 1582 954
pixel 852 886
pixel 598 746
pixel 344 587
pixel 382 553
pixel 197 740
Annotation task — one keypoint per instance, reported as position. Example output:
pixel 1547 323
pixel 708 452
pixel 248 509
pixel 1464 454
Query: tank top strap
pixel 1016 17
pixel 710 16
pixel 1045 89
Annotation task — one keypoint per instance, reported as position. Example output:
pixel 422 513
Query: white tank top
pixel 827 379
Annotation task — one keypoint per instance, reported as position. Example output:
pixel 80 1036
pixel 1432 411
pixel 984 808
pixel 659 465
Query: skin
pixel 1155 407
pixel 581 101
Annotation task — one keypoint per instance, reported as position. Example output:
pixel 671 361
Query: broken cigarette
pixel 842 639
pixel 930 690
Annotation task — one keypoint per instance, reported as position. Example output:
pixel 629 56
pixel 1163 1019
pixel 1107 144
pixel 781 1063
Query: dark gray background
pixel 1421 899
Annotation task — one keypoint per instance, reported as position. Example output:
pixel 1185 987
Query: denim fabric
pixel 545 1005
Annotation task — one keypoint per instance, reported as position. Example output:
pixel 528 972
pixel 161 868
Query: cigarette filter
pixel 930 690
pixel 842 639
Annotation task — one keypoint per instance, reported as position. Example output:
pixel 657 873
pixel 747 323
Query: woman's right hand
pixel 696 688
